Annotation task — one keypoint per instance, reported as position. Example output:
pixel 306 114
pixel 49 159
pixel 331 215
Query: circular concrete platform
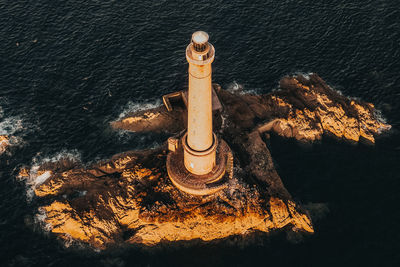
pixel 201 184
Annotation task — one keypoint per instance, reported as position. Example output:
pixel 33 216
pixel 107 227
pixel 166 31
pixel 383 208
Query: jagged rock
pixel 323 110
pixel 4 143
pixel 135 202
pixel 130 199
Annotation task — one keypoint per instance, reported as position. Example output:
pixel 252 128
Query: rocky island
pixel 130 199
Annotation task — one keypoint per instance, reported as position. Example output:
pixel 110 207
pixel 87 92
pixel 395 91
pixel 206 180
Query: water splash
pixel 132 107
pixel 40 219
pixel 73 155
pixel 36 177
pixel 13 128
pixel 237 88
pixel 234 87
pixel 11 125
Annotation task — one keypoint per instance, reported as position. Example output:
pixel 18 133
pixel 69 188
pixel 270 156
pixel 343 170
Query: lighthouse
pixel 199 163
pixel 199 143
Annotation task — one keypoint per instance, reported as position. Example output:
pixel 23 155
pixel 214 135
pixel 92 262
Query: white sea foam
pixel 73 155
pixel 35 179
pixel 337 91
pixel 40 219
pixel 132 107
pixel 15 128
pixel 379 116
pixel 306 75
pixel 11 125
pixel 235 87
pixel 68 241
pixel 125 136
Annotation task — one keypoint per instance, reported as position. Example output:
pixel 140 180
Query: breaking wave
pixel 11 125
pixel 35 177
pixel 237 88
pixel 40 219
pixel 73 155
pixel 132 107
pixel 379 116
pixel 234 87
pixel 13 128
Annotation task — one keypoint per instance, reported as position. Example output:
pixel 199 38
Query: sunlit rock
pixel 306 109
pixel 4 143
pixel 130 199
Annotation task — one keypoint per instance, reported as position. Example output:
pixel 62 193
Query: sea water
pixel 68 68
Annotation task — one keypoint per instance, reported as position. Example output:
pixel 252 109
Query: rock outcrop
pixel 153 120
pixel 130 199
pixel 4 143
pixel 312 108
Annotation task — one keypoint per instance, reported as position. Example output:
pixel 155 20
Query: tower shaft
pixel 200 143
pixel 200 135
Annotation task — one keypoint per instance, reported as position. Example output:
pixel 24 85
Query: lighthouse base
pixel 205 184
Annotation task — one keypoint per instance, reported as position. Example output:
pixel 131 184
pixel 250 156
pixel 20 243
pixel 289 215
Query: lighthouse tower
pixel 199 163
pixel 199 143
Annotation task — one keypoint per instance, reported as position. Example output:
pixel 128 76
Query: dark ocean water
pixel 67 68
